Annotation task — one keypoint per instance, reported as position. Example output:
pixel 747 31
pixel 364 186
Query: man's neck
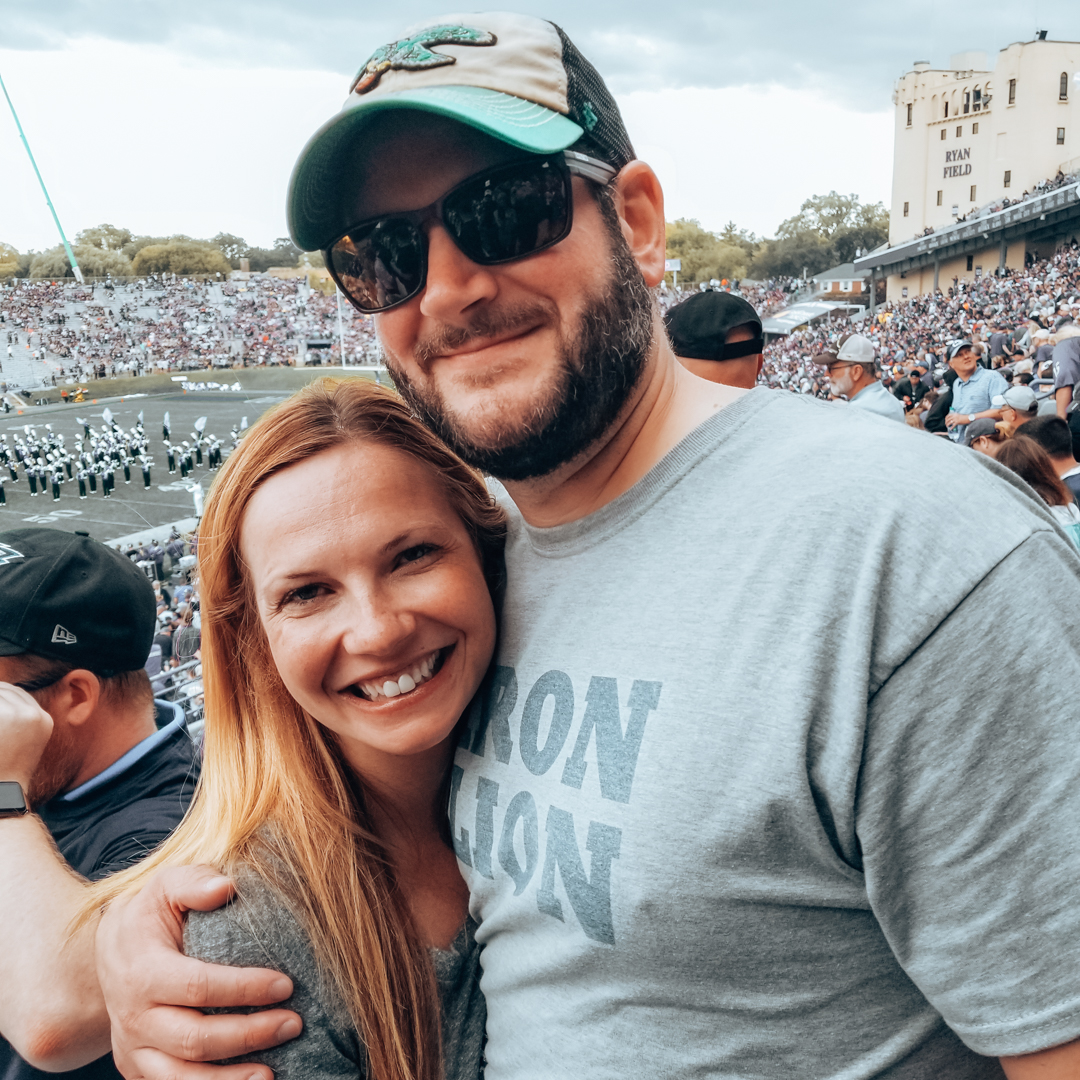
pixel 668 404
pixel 110 738
pixel 859 387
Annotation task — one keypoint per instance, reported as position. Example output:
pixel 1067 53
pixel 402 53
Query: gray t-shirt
pixel 259 930
pixel 766 783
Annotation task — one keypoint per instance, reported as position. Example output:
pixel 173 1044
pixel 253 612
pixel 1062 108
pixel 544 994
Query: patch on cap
pixel 415 53
pixel 9 554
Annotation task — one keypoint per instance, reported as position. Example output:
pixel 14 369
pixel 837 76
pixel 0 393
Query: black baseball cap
pixel 515 77
pixel 67 597
pixel 699 326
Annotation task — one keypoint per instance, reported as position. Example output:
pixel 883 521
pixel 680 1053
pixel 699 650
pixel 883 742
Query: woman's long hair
pixel 275 792
pixel 1031 463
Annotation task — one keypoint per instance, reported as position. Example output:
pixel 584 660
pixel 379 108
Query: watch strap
pixel 12 800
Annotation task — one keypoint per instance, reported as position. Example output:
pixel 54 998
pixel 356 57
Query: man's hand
pixel 954 418
pixel 154 993
pixel 25 728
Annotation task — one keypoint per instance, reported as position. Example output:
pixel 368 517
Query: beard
pixel 57 769
pixel 599 367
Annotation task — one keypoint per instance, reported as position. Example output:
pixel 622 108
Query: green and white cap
pixel 517 78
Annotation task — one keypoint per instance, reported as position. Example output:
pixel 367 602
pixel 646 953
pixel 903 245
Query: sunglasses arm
pixel 590 168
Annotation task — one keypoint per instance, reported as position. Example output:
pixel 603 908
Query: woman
pixel 1031 463
pixel 348 568
pixel 988 437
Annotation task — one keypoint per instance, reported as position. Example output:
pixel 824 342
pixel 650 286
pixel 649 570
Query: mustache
pixel 484 324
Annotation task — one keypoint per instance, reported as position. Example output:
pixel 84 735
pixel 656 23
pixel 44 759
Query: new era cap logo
pixel 413 54
pixel 9 554
pixel 61 636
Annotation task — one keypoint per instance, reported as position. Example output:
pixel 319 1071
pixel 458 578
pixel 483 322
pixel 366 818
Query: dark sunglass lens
pixel 509 214
pixel 381 264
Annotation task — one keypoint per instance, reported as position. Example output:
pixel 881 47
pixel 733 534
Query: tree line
pixel 108 249
pixel 828 230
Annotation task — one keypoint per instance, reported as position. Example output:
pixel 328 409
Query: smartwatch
pixel 12 803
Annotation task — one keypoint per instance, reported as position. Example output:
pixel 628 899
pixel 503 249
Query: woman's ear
pixel 639 200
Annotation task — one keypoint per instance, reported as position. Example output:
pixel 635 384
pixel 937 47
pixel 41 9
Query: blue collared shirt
pixel 975 395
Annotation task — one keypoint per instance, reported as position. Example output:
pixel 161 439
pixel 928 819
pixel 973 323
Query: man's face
pixel 964 363
pixel 842 379
pixel 518 367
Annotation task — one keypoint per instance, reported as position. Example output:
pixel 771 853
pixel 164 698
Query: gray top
pixel 876 399
pixel 258 930
pixel 761 787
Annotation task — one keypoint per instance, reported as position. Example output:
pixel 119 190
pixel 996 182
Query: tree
pixel 106 237
pixel 181 257
pixel 93 262
pixel 9 261
pixel 703 254
pixel 827 231
pixel 233 247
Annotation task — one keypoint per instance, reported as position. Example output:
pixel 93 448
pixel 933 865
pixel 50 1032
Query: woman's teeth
pixel 405 683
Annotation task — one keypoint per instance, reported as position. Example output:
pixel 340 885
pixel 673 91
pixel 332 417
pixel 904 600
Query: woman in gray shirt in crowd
pixel 349 567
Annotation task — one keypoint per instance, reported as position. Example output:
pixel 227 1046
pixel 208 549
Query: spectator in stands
pixel 1019 406
pixel 98 767
pixel 1031 463
pixel 974 389
pixel 1054 436
pixel 717 336
pixel 987 435
pixel 1066 361
pixel 911 389
pixel 853 373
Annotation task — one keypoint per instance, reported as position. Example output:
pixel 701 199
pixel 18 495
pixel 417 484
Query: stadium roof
pixel 1044 213
pixel 783 322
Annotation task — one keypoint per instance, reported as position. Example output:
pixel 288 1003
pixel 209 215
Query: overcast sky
pixel 167 116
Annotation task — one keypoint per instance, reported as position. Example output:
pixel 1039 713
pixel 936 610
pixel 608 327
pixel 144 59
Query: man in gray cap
pixel 853 373
pixel 718 337
pixel 1019 405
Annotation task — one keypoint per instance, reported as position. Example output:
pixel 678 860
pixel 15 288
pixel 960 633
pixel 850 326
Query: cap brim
pixel 315 188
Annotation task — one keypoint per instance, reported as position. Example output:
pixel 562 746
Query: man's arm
pixel 154 993
pixel 1063 395
pixel 1059 1063
pixel 51 1010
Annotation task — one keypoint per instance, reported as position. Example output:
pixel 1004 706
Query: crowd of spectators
pixel 74 332
pixel 1024 305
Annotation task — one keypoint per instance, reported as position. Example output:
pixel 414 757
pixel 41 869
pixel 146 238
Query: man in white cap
pixel 1018 405
pixel 853 373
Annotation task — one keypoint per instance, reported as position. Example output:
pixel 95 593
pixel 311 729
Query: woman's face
pixel 372 596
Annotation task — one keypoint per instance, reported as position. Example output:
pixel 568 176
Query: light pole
pixel 67 247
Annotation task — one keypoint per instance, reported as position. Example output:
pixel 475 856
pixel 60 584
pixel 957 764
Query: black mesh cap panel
pixel 591 105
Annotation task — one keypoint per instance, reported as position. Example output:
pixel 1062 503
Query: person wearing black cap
pixel 718 337
pixel 88 762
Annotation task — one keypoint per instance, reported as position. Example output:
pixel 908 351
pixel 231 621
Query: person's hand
pixel 154 993
pixel 954 418
pixel 25 728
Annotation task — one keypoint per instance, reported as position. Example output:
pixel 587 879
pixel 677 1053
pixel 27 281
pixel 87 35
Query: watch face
pixel 11 797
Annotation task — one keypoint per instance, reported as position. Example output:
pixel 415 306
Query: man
pixel 721 823
pixel 973 391
pixel 1019 406
pixel 911 389
pixel 718 337
pixel 1066 362
pixel 853 373
pixel 83 764
pixel 1054 436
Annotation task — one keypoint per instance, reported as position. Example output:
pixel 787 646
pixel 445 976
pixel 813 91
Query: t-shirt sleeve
pixel 968 803
pixel 258 930
pixel 1066 358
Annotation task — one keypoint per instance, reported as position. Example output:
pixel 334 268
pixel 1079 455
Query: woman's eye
pixel 304 595
pixel 415 554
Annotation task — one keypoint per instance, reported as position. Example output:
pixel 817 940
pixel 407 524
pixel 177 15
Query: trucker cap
pixel 854 349
pixel 515 77
pixel 698 326
pixel 67 597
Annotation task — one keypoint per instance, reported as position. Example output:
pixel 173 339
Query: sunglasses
pixel 493 217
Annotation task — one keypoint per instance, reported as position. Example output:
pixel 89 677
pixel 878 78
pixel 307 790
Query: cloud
pixel 637 45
